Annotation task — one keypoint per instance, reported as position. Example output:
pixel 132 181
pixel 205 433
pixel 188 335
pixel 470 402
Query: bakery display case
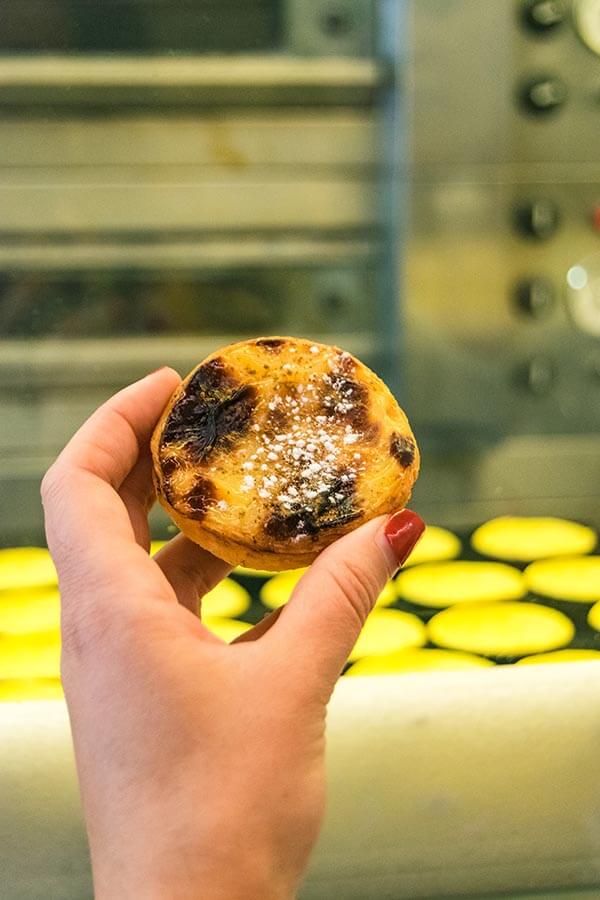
pixel 417 181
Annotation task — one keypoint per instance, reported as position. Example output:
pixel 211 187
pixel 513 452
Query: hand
pixel 201 764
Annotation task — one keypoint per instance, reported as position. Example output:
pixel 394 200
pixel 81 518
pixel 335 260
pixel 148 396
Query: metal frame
pixel 188 81
pixel 393 200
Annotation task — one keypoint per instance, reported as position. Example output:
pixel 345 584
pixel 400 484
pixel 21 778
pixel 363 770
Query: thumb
pixel 324 616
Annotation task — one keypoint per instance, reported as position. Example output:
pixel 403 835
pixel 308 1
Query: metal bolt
pixel 336 24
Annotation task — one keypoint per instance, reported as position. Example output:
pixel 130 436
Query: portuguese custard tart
pixel 273 448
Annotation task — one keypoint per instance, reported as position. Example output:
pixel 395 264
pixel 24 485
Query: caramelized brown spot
pixel 213 410
pixel 211 379
pixel 274 344
pixel 169 464
pixel 349 403
pixel 232 415
pixel 200 498
pixel 402 448
pixel 343 510
pixel 283 524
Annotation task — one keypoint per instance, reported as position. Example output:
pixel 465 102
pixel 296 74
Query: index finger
pixel 85 517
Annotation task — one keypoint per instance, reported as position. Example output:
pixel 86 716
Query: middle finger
pixel 137 493
pixel 191 570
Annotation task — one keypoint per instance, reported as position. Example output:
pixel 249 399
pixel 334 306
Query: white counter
pixel 458 782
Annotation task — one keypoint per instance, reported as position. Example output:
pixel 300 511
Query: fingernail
pixel 154 371
pixel 402 531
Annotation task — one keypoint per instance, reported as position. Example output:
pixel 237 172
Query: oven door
pixel 174 177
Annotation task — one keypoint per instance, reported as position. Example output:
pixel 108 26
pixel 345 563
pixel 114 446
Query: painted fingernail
pixel 402 531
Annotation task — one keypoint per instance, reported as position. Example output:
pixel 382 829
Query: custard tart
pixel 273 448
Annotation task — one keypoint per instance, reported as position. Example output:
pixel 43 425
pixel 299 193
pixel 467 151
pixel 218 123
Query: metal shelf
pixel 190 81
pixel 186 254
pixel 82 363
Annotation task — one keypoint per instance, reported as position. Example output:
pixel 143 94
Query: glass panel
pixel 120 304
pixel 140 26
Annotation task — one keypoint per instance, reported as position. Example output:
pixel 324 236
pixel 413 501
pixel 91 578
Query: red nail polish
pixel 402 531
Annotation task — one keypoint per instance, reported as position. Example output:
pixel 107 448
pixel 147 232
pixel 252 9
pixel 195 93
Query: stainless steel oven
pixel 174 176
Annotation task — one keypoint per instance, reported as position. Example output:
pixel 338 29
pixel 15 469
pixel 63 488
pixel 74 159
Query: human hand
pixel 201 764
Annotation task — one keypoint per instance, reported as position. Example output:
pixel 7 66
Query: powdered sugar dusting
pixel 248 482
pixel 309 463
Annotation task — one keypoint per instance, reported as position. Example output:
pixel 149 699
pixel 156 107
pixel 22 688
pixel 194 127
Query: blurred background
pixel 418 182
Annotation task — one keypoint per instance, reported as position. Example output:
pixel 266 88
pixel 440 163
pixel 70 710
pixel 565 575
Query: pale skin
pixel 201 764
